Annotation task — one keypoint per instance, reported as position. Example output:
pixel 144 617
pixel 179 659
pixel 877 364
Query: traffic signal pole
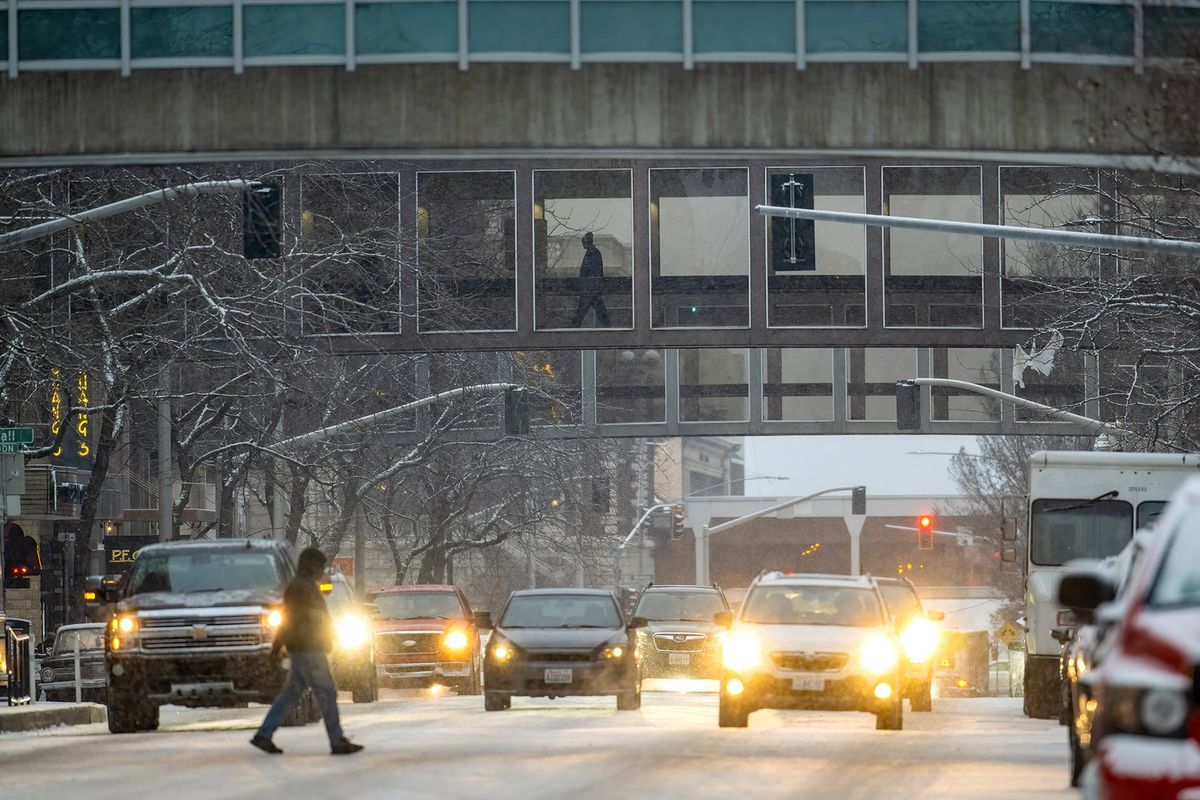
pixel 637 526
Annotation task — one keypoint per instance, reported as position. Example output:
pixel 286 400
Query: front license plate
pixel 679 659
pixel 808 683
pixel 558 676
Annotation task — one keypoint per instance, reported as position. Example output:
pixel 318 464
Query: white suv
pixel 812 642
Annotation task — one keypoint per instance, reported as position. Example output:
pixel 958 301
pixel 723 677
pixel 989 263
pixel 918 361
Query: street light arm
pixel 121 206
pixel 733 523
pixel 986 391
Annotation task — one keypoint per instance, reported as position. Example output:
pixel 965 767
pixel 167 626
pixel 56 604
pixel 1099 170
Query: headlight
pixel 743 651
pixel 1153 712
pixel 614 651
pixel 501 651
pixel 273 618
pixel 878 655
pixel 352 631
pixel 919 640
pixel 126 624
pixel 455 640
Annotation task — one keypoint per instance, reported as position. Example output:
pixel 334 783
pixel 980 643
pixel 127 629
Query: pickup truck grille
pixel 209 641
pixel 147 622
pixel 392 644
pixel 810 662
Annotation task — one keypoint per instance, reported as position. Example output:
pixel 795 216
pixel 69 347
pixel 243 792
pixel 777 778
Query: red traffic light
pixel 925 532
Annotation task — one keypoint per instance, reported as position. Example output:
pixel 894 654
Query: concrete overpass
pixel 157 80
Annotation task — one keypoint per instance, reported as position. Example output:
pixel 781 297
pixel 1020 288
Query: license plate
pixel 679 659
pixel 558 676
pixel 808 683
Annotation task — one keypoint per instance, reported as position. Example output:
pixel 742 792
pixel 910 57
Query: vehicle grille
pixel 211 640
pixel 394 643
pixel 551 656
pixel 810 662
pixel 146 623
pixel 670 642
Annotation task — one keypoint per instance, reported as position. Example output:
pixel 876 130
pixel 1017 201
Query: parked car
pixel 812 641
pixel 680 639
pixel 563 643
pixel 919 639
pixel 353 656
pixel 426 634
pixel 56 675
pixel 1145 733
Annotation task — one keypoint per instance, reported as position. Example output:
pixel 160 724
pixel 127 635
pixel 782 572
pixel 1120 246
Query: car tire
pixel 732 714
pixel 366 688
pixel 892 719
pixel 473 685
pixel 1078 758
pixel 495 701
pixel 128 712
pixel 632 700
pixel 922 700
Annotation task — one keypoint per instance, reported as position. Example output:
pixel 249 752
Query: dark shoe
pixel 266 745
pixel 344 747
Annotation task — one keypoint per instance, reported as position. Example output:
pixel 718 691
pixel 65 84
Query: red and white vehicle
pixel 427 635
pixel 1146 732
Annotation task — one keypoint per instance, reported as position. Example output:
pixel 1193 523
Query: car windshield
pixel 88 639
pixel 205 571
pixel 339 599
pixel 418 605
pixel 902 603
pixel 1178 579
pixel 1062 530
pixel 813 605
pixel 561 611
pixel 679 606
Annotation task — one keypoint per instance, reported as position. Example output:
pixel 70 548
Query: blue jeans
pixel 309 671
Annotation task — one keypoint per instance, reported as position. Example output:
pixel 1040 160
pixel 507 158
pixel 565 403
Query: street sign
pixel 16 436
pixel 1008 633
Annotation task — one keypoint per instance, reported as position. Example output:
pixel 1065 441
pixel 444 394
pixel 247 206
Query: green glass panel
pixel 1080 28
pixel 856 27
pixel 295 30
pixel 958 26
pixel 744 27
pixel 631 26
pixel 175 32
pixel 1172 32
pixel 406 28
pixel 69 33
pixel 520 27
pixel 4 37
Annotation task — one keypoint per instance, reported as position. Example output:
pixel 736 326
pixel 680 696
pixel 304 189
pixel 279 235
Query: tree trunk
pixel 106 441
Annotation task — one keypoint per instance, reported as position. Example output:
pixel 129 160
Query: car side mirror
pixel 935 616
pixel 483 620
pixel 1085 591
pixel 1060 635
pixel 723 619
pixel 638 622
pixel 109 594
pixel 371 610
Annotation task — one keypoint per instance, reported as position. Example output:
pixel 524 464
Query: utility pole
pixel 360 554
pixel 165 484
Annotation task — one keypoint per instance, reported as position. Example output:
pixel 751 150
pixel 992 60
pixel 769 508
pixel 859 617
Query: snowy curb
pixel 47 715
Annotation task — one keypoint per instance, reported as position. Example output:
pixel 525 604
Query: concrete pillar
pixel 854 524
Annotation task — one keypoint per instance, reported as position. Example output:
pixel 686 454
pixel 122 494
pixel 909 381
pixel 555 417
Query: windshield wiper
pixel 421 616
pixel 214 589
pixel 1109 495
pixel 585 626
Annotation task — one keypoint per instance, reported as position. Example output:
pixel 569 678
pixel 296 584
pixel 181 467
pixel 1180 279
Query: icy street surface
pixel 448 747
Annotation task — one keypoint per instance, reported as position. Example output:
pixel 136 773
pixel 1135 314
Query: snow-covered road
pixel 448 747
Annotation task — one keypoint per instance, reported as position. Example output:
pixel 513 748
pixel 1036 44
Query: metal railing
pixel 18 657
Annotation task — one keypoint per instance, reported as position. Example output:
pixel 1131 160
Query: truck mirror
pixel 723 619
pixel 1084 591
pixel 1008 530
pixel 109 594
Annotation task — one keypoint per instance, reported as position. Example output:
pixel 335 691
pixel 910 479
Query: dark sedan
pixel 563 643
pixel 57 675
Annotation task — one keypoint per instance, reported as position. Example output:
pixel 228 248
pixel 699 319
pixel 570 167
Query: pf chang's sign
pixel 120 550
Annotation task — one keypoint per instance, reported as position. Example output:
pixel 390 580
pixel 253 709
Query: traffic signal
pixel 516 412
pixel 677 526
pixel 908 406
pixel 793 245
pixel 262 221
pixel 21 558
pixel 925 532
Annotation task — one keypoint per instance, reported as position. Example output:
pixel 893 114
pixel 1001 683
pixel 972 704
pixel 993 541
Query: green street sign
pixel 16 436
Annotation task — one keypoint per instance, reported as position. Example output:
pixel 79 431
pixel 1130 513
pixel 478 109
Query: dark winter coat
pixel 307 626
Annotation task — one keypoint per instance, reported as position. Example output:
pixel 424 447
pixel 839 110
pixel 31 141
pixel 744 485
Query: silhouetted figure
pixel 591 270
pixel 307 632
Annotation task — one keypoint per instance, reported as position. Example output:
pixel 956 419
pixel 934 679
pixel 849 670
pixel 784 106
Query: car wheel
pixel 632 700
pixel 732 714
pixel 494 701
pixel 922 699
pixel 892 719
pixel 473 684
pixel 366 688
pixel 128 712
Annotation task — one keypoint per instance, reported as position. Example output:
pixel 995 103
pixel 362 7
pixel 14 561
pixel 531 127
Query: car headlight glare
pixel 501 652
pixel 127 624
pixel 1163 711
pixel 878 655
pixel 919 640
pixel 455 640
pixel 274 619
pixel 743 651
pixel 614 651
pixel 352 631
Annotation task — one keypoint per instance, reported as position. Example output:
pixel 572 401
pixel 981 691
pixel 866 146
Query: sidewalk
pixel 14 719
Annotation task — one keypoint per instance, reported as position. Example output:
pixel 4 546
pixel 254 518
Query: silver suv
pixel 811 641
